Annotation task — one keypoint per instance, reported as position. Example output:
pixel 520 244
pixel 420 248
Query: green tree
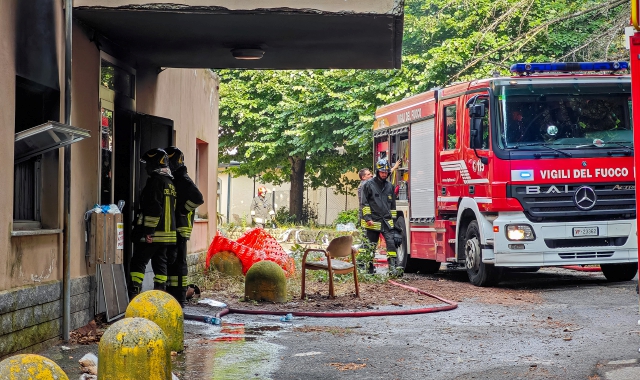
pixel 288 125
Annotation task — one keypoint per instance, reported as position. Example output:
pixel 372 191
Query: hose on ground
pixel 352 314
pixel 583 269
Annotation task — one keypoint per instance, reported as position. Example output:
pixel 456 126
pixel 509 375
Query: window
pixel 35 104
pixel 37 140
pixel 201 180
pixel 450 139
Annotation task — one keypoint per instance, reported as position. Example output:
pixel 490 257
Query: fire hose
pixel 353 314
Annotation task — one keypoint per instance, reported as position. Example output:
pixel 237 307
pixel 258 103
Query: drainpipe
pixel 66 250
pixel 228 195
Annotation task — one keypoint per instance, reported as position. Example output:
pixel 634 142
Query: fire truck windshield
pixel 564 115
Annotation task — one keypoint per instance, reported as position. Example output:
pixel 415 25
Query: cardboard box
pixel 106 239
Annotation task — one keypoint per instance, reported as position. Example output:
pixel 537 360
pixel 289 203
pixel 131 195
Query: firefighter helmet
pixel 176 158
pixel 155 158
pixel 382 166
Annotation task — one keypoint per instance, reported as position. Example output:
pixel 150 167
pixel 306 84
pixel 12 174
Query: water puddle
pixel 228 351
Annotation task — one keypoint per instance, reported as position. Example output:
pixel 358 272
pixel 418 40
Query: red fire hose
pixel 582 269
pixel 450 306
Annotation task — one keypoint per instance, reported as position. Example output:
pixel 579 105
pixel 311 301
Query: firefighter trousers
pixel 387 234
pixel 143 252
pixel 177 270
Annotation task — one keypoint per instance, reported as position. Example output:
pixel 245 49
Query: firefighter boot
pixel 160 286
pixel 392 262
pixel 134 290
pixel 181 295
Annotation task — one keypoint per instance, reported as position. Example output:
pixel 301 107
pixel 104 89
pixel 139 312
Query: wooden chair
pixel 338 247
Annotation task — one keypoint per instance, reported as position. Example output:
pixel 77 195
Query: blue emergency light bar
pixel 564 67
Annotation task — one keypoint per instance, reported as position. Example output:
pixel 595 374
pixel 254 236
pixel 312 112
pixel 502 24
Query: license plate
pixel 585 231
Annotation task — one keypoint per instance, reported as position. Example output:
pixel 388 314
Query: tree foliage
pixel 288 125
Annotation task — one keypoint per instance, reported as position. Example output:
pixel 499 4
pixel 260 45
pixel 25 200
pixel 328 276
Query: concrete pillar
pixel 265 281
pixel 30 366
pixel 161 308
pixel 134 349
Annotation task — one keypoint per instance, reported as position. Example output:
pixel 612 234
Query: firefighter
pixel 189 197
pixel 155 227
pixel 261 208
pixel 379 212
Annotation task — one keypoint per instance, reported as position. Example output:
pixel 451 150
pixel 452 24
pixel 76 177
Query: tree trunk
pixel 296 194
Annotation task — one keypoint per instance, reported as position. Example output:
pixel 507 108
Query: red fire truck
pixel 518 172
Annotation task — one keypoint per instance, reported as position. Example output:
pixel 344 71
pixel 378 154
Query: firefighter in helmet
pixel 379 212
pixel 261 208
pixel 188 198
pixel 155 227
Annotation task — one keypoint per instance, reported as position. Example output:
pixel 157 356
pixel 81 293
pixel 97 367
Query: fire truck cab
pixel 519 172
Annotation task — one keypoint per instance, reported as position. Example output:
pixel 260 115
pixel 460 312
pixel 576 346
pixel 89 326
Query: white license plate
pixel 585 231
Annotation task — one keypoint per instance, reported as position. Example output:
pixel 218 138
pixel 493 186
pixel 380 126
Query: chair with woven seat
pixel 339 247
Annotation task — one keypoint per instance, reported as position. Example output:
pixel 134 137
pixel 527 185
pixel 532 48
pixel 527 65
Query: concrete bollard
pixel 134 349
pixel 30 366
pixel 162 309
pixel 265 281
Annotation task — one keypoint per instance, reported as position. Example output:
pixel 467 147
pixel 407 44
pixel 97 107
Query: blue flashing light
pixel 525 175
pixel 564 67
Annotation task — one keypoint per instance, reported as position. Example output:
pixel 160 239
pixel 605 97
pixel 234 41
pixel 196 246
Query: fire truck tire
pixel 404 261
pixel 480 274
pixel 619 272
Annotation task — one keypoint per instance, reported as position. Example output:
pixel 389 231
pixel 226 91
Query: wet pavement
pixel 585 328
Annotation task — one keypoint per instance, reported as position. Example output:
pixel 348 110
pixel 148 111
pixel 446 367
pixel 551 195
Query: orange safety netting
pixel 255 245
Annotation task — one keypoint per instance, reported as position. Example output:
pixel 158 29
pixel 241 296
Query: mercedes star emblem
pixel 585 198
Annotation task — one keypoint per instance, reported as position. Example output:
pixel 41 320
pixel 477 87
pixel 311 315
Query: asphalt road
pixel 581 327
pixel 584 328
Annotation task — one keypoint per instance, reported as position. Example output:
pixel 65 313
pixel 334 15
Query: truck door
pixel 477 160
pixel 451 168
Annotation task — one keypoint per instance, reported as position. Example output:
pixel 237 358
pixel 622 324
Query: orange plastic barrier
pixel 255 245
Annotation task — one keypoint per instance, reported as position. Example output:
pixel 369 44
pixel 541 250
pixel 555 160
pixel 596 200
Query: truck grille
pixel 585 255
pixel 556 203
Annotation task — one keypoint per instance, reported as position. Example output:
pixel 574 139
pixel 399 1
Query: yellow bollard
pixel 30 366
pixel 265 281
pixel 134 349
pixel 165 311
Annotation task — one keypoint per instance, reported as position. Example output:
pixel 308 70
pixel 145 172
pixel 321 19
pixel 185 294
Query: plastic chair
pixel 338 247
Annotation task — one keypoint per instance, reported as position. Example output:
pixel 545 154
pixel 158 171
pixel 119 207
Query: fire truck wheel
pixel 480 274
pixel 619 272
pixel 402 252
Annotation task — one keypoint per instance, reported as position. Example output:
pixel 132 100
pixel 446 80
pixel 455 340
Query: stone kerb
pixel 162 309
pixel 30 366
pixel 134 349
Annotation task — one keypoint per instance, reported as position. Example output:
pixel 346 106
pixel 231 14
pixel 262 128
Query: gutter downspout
pixel 228 196
pixel 66 250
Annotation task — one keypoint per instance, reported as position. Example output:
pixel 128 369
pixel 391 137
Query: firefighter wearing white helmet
pixel 261 208
pixel 379 212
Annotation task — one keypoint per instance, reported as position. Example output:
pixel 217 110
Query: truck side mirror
pixel 476 133
pixel 477 110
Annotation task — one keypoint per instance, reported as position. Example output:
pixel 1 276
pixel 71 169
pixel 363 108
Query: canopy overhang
pixel 293 34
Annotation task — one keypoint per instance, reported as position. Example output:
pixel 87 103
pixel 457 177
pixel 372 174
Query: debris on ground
pixel 87 334
pixel 348 366
pixel 89 364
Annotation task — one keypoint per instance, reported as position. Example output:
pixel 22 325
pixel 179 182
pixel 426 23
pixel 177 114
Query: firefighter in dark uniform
pixel 189 197
pixel 155 227
pixel 379 212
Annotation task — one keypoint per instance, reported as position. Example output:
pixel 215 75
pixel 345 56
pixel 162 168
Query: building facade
pixel 89 85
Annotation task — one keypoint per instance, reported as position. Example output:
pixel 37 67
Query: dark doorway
pixel 134 135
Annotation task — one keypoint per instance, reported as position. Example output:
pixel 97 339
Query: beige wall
pixel 189 97
pixel 84 154
pixel 7 121
pixel 240 192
